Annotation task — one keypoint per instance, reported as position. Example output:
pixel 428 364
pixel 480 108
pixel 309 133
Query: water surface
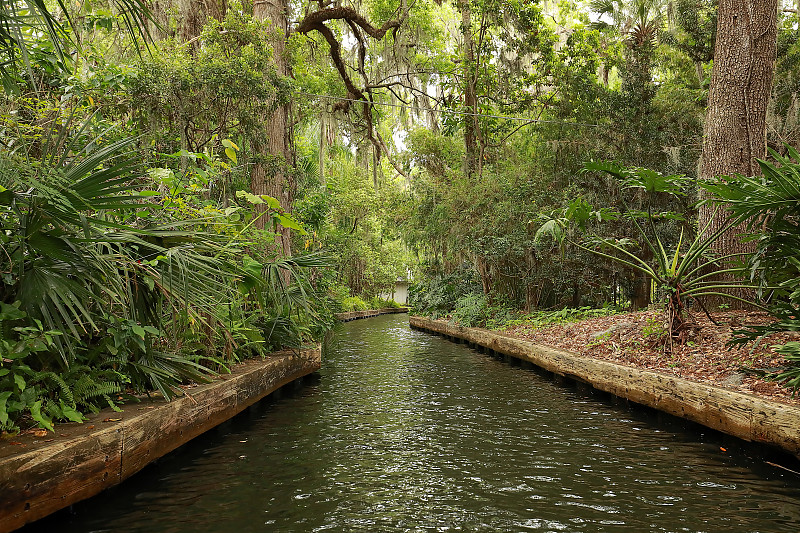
pixel 404 431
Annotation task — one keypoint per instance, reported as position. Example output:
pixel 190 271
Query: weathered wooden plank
pixel 741 415
pixel 78 468
pixel 369 313
pixel 45 477
pixel 152 435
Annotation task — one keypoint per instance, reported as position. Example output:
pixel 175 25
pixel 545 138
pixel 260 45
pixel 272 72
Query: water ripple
pixel 408 432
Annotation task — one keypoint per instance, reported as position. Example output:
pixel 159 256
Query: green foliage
pixel 138 289
pixel 353 220
pixel 377 302
pixel 212 100
pixel 538 319
pixel 769 205
pixel 28 389
pixel 475 310
pixel 353 303
pixel 471 310
pixel 790 377
pixel 654 331
pixel 681 274
pixel 436 296
pixel 24 26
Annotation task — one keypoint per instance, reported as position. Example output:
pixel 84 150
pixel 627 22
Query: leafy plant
pixel 437 296
pixel 682 272
pixel 27 388
pixel 471 310
pixel 21 21
pixel 790 377
pixel 353 303
pixel 769 205
pixel 104 279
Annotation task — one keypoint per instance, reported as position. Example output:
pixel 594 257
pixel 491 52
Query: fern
pixel 60 384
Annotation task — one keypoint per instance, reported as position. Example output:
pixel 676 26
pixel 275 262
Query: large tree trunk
pixel 640 292
pixel 735 128
pixel 273 154
pixel 470 95
pixel 189 17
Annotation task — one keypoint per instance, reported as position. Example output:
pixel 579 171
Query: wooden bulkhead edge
pixel 742 415
pixel 369 313
pixel 52 476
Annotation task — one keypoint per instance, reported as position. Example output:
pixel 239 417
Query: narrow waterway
pixel 404 431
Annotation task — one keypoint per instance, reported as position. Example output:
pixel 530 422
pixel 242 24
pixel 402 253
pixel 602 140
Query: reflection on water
pixel 404 431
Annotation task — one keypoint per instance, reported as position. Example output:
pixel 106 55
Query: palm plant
pixel 769 205
pixel 21 20
pixel 79 249
pixel 682 272
pixel 640 20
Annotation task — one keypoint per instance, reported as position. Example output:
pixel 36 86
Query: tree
pixel 185 19
pixel 694 32
pixel 269 175
pixel 741 81
pixel 21 22
pixel 471 126
pixel 365 94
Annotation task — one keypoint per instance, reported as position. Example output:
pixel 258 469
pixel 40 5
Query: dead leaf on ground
pixel 707 359
pixel 111 419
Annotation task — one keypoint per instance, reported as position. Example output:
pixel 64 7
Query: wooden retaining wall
pixel 355 315
pixel 38 477
pixel 741 415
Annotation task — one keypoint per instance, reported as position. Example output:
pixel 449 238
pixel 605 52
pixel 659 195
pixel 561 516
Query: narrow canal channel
pixel 404 431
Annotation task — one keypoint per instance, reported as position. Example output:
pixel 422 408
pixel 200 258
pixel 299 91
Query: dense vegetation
pixel 185 186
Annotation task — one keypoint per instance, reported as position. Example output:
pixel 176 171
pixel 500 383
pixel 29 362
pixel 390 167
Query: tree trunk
pixel 640 293
pixel 470 94
pixel 323 147
pixel 699 72
pixel 735 128
pixel 189 17
pixel 269 172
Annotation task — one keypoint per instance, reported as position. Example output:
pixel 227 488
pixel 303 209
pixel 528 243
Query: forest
pixel 187 184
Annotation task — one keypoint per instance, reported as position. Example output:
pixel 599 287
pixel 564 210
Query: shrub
pixel 377 302
pixel 437 296
pixel 683 273
pixel 770 207
pixel 471 310
pixel 353 303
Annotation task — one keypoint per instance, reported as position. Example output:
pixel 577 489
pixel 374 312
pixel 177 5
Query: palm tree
pixel 20 20
pixel 638 19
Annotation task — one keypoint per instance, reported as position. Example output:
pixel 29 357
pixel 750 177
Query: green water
pixel 404 431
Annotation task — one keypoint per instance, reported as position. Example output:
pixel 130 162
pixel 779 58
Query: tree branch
pixel 313 20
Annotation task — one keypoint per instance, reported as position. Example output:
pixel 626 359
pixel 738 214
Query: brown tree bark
pixel 640 293
pixel 735 128
pixel 470 94
pixel 269 174
pixel 360 27
pixel 190 17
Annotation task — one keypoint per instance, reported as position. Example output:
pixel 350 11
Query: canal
pixel 404 431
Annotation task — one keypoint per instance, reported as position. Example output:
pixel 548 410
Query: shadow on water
pixel 404 431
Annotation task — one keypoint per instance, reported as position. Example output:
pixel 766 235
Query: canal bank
pixel 41 475
pixel 369 313
pixel 740 415
pixel 405 431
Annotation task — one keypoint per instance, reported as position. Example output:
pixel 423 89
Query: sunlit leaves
pixel 649 180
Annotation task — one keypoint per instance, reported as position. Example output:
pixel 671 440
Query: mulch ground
pixel 637 339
